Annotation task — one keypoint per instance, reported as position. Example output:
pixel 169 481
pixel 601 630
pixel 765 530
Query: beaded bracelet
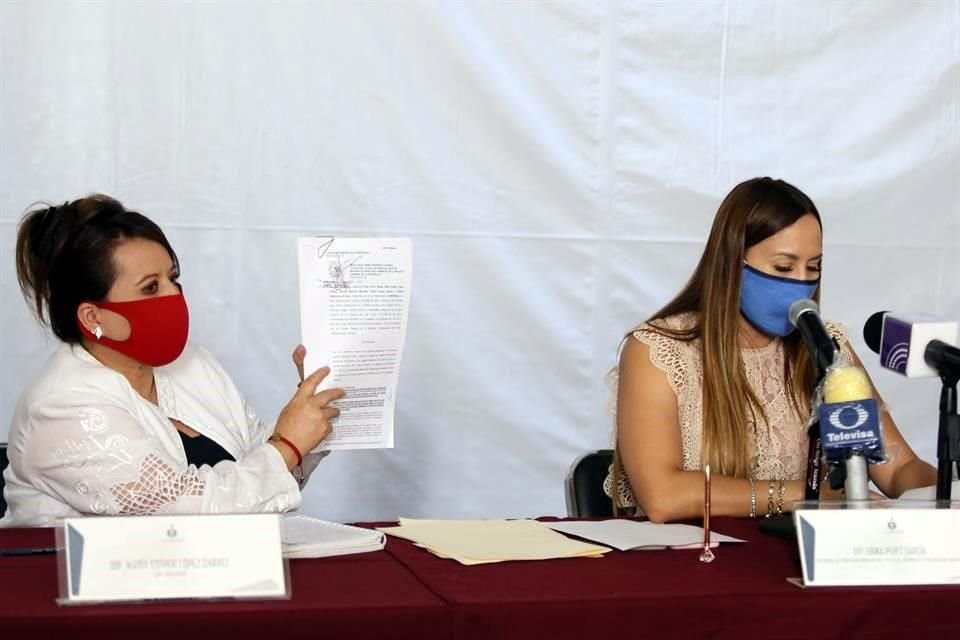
pixel 770 499
pixel 783 489
pixel 753 499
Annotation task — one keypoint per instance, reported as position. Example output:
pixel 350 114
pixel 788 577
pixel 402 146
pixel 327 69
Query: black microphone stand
pixel 823 358
pixel 948 437
pixel 945 359
pixel 814 462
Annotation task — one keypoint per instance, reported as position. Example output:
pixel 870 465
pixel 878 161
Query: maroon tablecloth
pixel 367 595
pixel 670 594
pixel 409 593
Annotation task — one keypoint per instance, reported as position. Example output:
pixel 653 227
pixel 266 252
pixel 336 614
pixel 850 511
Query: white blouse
pixel 83 441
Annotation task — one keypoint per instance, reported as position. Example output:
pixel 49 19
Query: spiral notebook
pixel 306 537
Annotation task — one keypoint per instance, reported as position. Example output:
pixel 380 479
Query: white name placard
pixel 859 547
pixel 106 559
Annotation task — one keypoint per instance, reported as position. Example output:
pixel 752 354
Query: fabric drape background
pixel 557 166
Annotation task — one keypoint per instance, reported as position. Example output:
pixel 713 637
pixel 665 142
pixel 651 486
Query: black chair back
pixel 585 496
pixel 3 467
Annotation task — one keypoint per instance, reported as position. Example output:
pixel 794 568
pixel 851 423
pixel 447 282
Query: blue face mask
pixel 765 299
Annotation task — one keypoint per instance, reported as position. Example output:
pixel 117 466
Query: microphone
pixel 805 316
pixel 921 345
pixel 850 428
pixel 916 345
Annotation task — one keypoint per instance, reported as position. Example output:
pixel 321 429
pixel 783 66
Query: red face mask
pixel 158 328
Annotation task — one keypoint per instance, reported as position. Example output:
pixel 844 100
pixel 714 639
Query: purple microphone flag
pixel 895 345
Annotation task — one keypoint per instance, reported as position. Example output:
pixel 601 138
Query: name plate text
pixel 109 559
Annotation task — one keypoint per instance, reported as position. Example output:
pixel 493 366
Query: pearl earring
pixel 97 331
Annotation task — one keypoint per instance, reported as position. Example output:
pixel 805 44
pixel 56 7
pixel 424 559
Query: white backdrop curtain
pixel 556 164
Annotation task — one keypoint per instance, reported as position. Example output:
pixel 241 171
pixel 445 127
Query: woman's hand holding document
pixel 626 535
pixel 486 541
pixel 354 302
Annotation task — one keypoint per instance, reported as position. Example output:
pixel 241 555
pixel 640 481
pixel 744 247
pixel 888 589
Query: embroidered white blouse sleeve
pixel 95 455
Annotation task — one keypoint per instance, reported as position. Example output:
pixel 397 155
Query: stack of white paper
pixel 930 493
pixel 629 534
pixel 305 537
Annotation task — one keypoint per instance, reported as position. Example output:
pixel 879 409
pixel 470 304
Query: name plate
pixel 876 546
pixel 159 557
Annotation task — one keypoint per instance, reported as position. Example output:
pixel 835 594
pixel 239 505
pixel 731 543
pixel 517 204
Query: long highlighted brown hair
pixel 753 211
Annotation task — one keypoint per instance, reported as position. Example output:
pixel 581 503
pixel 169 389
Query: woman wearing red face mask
pixel 127 417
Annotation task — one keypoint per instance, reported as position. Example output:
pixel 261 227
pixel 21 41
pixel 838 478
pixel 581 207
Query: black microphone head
pixel 800 307
pixel 873 330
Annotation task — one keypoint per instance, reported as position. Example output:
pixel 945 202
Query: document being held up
pixel 354 301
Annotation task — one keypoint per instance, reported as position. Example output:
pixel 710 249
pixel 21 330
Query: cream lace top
pixel 780 445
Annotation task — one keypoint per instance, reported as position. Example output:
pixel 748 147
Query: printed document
pixel 354 302
pixel 930 493
pixel 625 535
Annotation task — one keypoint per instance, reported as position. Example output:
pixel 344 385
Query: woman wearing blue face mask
pixel 720 377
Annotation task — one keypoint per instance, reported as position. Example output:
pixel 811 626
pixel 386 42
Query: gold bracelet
pixel 783 489
pixel 753 499
pixel 770 499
